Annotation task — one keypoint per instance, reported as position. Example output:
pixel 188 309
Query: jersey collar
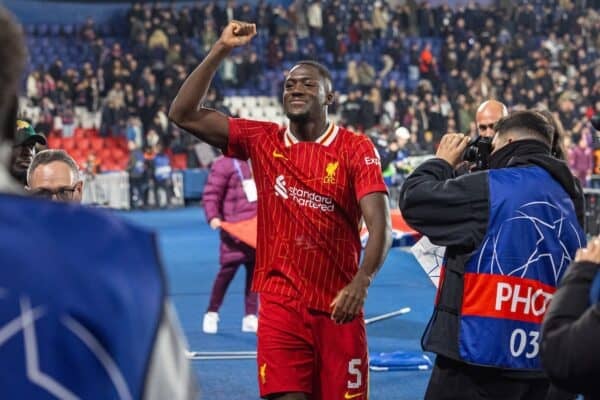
pixel 325 139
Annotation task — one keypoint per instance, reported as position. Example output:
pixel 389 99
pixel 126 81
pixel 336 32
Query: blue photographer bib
pixel 81 296
pixel 511 278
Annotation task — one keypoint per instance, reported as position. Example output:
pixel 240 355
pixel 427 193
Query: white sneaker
pixel 210 324
pixel 249 323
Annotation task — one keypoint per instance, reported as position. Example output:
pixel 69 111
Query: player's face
pixel 305 93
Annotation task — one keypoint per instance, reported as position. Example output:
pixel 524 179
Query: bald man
pixel 488 113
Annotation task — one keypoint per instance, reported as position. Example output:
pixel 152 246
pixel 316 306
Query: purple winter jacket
pixel 224 198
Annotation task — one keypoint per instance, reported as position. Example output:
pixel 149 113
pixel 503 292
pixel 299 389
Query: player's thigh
pixel 343 360
pixel 285 358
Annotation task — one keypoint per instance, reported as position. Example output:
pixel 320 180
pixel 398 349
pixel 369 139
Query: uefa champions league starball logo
pixel 538 235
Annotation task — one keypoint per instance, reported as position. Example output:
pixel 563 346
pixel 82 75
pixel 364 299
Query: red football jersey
pixel 308 206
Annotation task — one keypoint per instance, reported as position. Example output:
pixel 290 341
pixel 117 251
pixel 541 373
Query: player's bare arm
pixel 186 109
pixel 350 300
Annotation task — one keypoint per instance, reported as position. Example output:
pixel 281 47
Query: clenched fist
pixel 237 33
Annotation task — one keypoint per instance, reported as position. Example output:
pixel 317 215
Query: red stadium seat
pixel 105 153
pixel 68 144
pixel 54 142
pixel 82 143
pixel 111 142
pixel 79 133
pixel 179 161
pixel 96 143
pixel 118 154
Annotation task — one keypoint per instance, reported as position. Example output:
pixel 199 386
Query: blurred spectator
pixel 54 175
pixel 25 145
pixel 138 179
pixel 581 159
pixel 229 195
pixel 488 113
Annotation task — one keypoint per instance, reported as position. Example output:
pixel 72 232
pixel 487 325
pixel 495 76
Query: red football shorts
pixel 302 350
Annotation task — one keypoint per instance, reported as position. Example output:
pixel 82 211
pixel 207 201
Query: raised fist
pixel 237 33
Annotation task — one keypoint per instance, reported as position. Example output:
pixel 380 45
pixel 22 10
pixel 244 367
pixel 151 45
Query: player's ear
pixel 329 96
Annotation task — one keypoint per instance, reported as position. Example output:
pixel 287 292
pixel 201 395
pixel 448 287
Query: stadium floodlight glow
pixel 250 355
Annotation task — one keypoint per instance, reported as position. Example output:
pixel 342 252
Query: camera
pixel 478 153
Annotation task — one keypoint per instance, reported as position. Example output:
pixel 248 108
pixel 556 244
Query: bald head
pixel 488 113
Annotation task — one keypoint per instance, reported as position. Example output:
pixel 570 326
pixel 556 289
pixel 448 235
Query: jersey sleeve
pixel 366 169
pixel 244 135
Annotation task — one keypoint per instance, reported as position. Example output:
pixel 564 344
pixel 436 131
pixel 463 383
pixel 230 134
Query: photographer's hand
pixel 452 147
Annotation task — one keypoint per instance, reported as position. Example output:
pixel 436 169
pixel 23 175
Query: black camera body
pixel 478 153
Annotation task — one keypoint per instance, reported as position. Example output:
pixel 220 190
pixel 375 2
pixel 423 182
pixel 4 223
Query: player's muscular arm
pixel 186 109
pixel 376 213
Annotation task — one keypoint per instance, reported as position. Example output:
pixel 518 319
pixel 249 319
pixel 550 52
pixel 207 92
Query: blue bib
pixel 81 294
pixel 532 237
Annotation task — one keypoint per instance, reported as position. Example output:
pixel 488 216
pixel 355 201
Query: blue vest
pixel 162 167
pixel 139 165
pixel 532 237
pixel 81 296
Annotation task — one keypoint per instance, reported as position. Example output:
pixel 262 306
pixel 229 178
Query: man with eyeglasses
pixel 488 113
pixel 54 175
pixel 27 142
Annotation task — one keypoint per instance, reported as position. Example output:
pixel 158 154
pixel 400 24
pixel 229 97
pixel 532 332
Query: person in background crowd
pixel 230 195
pixel 26 144
pixel 581 159
pixel 159 173
pixel 53 174
pixel 488 113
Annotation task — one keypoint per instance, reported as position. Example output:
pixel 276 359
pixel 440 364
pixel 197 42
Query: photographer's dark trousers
pixel 459 381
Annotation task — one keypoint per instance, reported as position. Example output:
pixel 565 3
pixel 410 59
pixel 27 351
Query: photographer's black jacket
pixel 454 212
pixel 570 347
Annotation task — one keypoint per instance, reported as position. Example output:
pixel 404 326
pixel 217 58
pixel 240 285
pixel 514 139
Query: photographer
pixel 572 326
pixel 508 244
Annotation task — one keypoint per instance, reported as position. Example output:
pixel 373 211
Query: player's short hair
pixel 323 71
pixel 526 125
pixel 46 157
pixel 13 54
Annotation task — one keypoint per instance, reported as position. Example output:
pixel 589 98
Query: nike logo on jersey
pixel 276 154
pixel 349 396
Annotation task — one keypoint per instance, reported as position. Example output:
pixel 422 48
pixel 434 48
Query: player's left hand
pixel 350 300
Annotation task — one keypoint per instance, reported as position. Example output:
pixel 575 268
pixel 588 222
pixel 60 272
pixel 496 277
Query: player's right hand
pixel 237 33
pixel 591 253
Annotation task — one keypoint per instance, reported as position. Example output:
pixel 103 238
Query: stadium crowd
pixel 397 64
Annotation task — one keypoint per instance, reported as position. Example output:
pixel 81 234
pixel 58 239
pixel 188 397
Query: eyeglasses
pixel 483 127
pixel 64 193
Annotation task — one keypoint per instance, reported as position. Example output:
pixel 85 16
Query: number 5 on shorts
pixel 355 372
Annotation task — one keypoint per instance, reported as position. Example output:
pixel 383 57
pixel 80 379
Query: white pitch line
pixel 248 355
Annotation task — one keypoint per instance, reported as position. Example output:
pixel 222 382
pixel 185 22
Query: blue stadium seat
pixel 42 30
pixel 54 30
pixel 68 29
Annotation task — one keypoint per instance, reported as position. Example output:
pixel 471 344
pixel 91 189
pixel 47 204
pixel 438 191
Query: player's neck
pixel 309 131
